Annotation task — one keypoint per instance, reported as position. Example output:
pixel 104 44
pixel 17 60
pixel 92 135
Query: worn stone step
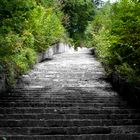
pixel 56 115
pixel 58 130
pixel 58 99
pixel 34 94
pixel 70 130
pixel 62 101
pixel 74 137
pixel 66 95
pixel 83 130
pixel 69 99
pixel 65 110
pixel 79 92
pixel 64 123
pixel 61 96
pixel 54 104
pixel 32 87
pixel 49 90
pixel 53 100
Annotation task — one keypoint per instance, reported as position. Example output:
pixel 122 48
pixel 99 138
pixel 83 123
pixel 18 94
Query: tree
pixel 115 33
pixel 78 14
pixel 27 27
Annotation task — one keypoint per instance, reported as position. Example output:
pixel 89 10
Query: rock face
pixel 67 98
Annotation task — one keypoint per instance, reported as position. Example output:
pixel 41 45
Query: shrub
pixel 26 28
pixel 115 34
pixel 77 15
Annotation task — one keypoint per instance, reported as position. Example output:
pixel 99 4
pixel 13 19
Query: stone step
pixel 74 103
pixel 63 101
pixel 54 100
pixel 65 110
pixel 69 94
pixel 48 90
pixel 58 130
pixel 74 137
pixel 54 104
pixel 61 96
pixel 67 123
pixel 70 130
pixel 54 115
pixel 34 87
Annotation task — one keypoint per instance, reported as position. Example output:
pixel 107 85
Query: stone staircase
pixel 67 98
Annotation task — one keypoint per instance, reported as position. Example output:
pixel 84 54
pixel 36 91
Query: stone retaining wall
pixel 48 54
pixel 55 49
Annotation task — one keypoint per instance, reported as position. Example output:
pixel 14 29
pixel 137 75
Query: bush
pixel 26 28
pixel 115 35
pixel 77 15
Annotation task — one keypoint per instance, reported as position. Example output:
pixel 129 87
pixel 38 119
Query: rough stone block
pixel 48 54
pixel 39 57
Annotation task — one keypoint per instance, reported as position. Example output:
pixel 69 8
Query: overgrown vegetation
pixel 115 34
pixel 26 28
pixel 78 13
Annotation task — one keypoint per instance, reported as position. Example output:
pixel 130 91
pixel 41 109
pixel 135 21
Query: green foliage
pixel 27 27
pixel 45 26
pixel 77 15
pixel 115 34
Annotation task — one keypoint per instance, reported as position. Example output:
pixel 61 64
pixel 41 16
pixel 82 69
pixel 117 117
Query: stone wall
pixel 55 49
pixel 48 54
